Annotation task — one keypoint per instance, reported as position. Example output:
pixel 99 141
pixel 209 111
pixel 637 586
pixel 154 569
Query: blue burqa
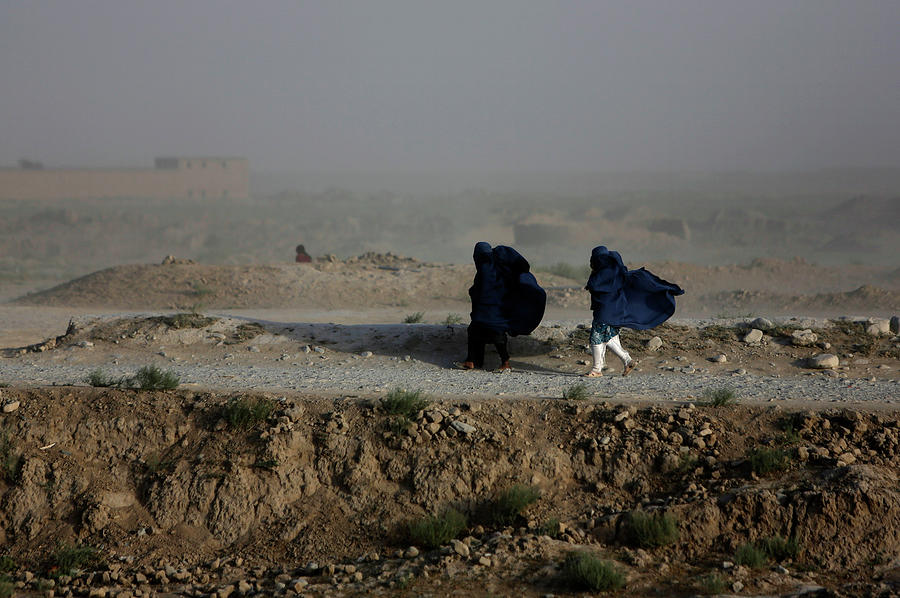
pixel 635 299
pixel 505 295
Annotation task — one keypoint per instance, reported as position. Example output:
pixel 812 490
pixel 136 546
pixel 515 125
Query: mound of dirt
pixel 185 492
pixel 372 280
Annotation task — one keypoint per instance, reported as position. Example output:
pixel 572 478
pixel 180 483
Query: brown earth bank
pixel 763 287
pixel 203 494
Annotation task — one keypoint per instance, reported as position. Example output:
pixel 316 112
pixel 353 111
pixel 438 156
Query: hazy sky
pixel 454 84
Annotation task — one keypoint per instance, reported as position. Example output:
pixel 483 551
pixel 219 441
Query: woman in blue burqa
pixel 506 298
pixel 625 298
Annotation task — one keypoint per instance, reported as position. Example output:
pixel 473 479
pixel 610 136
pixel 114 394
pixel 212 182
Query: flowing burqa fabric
pixel 635 299
pixel 505 295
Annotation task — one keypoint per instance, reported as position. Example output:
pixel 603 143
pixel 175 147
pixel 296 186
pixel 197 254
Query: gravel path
pixel 273 365
pixel 375 375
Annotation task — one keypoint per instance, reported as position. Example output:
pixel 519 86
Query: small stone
pixel 319 350
pixel 306 349
pixel 460 548
pixel 727 564
pixel 366 354
pixel 846 459
pixel 737 586
pixel 462 427
pixel 878 327
pixel 761 323
pixel 720 358
pixel 621 415
pixel 298 584
pixel 895 324
pixel 485 561
pixel 85 344
pixel 754 336
pixel 823 361
pixel 243 587
pixel 411 552
pixel 804 338
pixel 10 407
pixel 781 569
pixel 654 344
pixel 253 349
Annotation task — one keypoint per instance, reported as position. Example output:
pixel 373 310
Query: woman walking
pixel 625 298
pixel 506 298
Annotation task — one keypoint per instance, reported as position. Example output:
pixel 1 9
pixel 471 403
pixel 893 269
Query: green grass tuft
pixel 585 570
pixel 550 528
pixel 433 531
pixel 100 379
pixel 246 413
pixel 151 377
pixel 749 555
pixel 779 549
pixel 414 318
pixel 507 506
pixel 577 392
pixel 67 559
pixel 7 564
pixel 453 319
pixel 404 402
pixel 764 461
pixel 648 530
pixel 712 583
pixel 719 397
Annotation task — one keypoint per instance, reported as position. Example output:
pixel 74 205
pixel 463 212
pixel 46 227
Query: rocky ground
pixel 112 492
pixel 279 465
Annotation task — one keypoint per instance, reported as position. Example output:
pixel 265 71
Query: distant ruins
pixel 172 177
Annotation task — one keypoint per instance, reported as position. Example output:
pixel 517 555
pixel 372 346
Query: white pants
pixel 599 353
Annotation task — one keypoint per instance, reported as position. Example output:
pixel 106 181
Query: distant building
pixel 173 177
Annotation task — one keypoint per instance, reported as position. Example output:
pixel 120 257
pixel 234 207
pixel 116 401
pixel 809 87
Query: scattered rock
pixel 823 361
pixel 804 338
pixel 878 327
pixel 366 354
pixel 462 427
pixel 895 324
pixel 654 344
pixel 10 406
pixel 720 358
pixel 762 324
pixel 754 336
pixel 460 548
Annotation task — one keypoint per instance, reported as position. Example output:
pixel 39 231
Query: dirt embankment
pixel 766 286
pixel 181 494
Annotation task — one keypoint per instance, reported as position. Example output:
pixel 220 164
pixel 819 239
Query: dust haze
pixel 704 132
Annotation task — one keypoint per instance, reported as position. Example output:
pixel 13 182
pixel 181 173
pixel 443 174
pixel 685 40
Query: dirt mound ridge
pixel 375 280
pixel 370 280
pixel 159 478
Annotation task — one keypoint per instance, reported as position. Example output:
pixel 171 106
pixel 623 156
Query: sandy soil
pixel 182 499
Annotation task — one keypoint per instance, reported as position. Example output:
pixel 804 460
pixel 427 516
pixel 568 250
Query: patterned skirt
pixel 601 332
